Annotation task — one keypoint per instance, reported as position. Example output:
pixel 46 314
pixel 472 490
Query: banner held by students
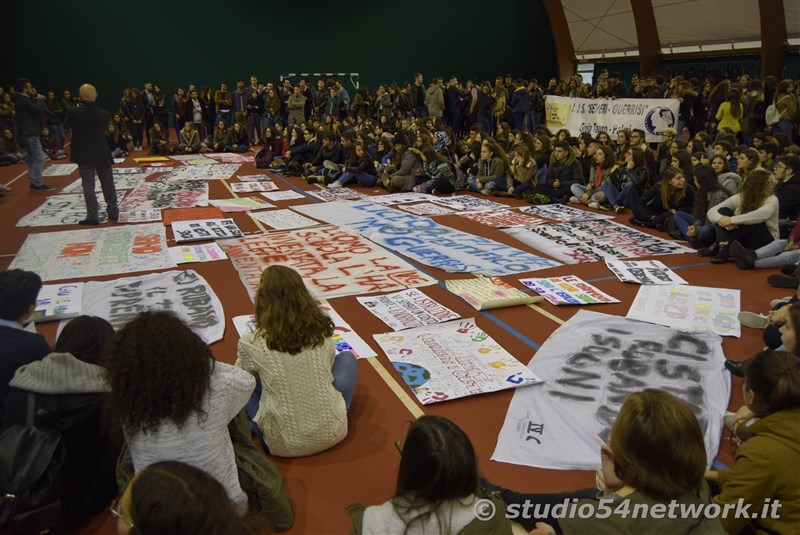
pixel 695 308
pixel 452 360
pixel 94 252
pixel 407 309
pixel 589 366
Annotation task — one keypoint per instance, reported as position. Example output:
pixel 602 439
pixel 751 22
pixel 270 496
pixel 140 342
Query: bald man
pixel 90 151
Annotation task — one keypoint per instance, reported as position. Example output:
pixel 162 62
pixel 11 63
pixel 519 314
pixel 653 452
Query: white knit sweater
pixel 300 412
pixel 203 441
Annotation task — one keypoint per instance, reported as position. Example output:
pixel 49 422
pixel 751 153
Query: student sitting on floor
pixel 564 171
pixel 10 151
pixel 159 140
pixel 117 143
pixel 766 464
pixel 173 401
pixel 239 141
pixel 695 225
pixel 68 389
pixel 400 174
pixel 360 166
pixel 438 172
pixel 188 140
pixel 222 137
pixel 602 170
pixel 634 176
pixel 655 456
pixel 179 499
pixel 304 389
pixel 492 166
pixel 661 201
pixel 437 487
pixel 51 144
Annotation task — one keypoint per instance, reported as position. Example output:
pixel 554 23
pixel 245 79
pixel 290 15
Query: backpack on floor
pixel 31 471
pixel 263 158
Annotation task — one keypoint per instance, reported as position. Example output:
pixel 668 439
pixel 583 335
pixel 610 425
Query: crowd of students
pixel 148 410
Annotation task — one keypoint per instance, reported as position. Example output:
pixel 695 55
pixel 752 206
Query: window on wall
pixel 585 71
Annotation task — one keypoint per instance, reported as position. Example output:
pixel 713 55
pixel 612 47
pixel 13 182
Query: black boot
pixel 723 254
pixel 711 250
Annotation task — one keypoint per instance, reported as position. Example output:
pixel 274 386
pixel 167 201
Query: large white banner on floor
pixel 184 293
pixel 160 195
pixel 694 308
pixel 218 171
pixel 452 360
pixel 580 115
pixel 589 366
pixel 407 309
pixel 283 219
pixel 64 210
pixel 124 181
pixel 361 216
pixel 333 262
pixel 590 241
pixel 563 213
pixel 93 252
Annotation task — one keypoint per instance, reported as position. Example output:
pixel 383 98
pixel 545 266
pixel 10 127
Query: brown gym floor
pixel 363 467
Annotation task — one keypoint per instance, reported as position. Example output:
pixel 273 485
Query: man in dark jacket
pixel 520 105
pixel 90 151
pixel 787 190
pixel 616 87
pixel 565 171
pixel 30 107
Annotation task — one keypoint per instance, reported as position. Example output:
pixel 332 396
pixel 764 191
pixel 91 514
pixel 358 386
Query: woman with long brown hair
pixel 662 201
pixel 304 388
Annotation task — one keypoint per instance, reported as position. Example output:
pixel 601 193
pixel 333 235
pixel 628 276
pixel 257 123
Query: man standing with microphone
pixel 90 151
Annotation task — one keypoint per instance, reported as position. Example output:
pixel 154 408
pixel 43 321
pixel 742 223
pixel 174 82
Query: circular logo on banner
pixel 658 119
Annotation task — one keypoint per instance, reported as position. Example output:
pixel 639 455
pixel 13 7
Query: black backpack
pixel 31 468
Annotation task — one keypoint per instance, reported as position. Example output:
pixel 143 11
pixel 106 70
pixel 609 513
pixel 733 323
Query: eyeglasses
pixel 116 511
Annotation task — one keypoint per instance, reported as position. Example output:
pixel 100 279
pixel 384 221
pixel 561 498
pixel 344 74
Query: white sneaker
pixel 335 185
pixel 595 205
pixel 753 320
pixel 574 200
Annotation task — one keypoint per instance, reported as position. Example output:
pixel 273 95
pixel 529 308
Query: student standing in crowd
pixel 30 107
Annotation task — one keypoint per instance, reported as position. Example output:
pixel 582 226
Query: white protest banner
pixel 452 360
pixel 187 157
pixel 60 169
pixel 485 293
pixel 333 262
pixel 456 251
pixel 344 337
pixel 128 170
pixel 229 157
pixel 185 293
pixel 468 203
pixel 124 181
pixel 503 218
pixel 253 178
pixel 590 241
pixel 64 210
pixel 206 252
pixel 407 309
pixel 283 195
pixel 361 216
pixel 589 366
pixel 159 195
pixel 399 198
pixel 427 209
pixel 643 272
pixel 58 302
pixel 200 161
pixel 693 308
pixel 243 204
pixel 94 252
pixel 568 290
pixel 139 216
pixel 218 171
pixel 580 115
pixel 245 324
pixel 563 213
pixel 119 160
pixel 206 229
pixel 247 187
pixel 283 219
pixel 341 194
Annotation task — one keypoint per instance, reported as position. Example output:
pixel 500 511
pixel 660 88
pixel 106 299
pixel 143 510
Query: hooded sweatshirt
pixel 61 373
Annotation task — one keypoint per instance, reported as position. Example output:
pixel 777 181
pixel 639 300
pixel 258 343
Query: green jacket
pixel 259 478
pixel 767 466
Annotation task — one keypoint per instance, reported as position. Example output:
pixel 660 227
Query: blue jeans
pixel 501 184
pixel 344 371
pixel 364 179
pixel 519 120
pixel 618 197
pixel 774 255
pixel 578 190
pixel 532 120
pixel 58 131
pixel 33 147
pixel 783 126
pixel 705 233
pixel 486 122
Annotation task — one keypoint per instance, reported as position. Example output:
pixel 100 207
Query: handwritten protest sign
pixel 283 219
pixel 329 195
pixel 185 293
pixel 186 157
pixel 60 169
pixel 93 252
pixel 643 272
pixel 590 241
pixel 488 293
pixel 361 216
pixel 126 181
pixel 200 161
pixel 427 209
pixel 247 187
pixel 243 204
pixel 399 198
pixel 205 252
pixel 218 171
pixel 64 210
pixel 58 302
pixel 589 366
pixel 503 218
pixel 159 195
pixel 129 170
pixel 333 261
pixel 407 309
pixel 564 213
pixel 283 195
pixel 229 157
pixel 695 308
pixel 191 214
pixel 253 178
pixel 208 229
pixel 139 216
pixel 568 290
pixel 452 360
pixel 467 203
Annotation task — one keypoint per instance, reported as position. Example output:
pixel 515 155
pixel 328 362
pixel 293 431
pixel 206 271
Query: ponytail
pixel 774 377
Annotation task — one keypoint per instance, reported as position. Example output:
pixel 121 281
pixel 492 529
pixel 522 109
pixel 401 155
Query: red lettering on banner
pixel 146 244
pixel 77 249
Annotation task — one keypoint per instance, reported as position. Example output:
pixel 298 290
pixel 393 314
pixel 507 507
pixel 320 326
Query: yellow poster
pixel 557 114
